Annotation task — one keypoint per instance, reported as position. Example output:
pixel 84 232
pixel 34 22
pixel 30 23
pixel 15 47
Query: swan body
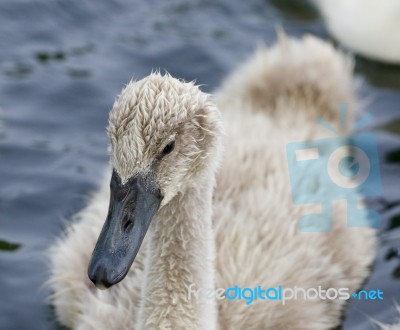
pixel 368 27
pixel 221 222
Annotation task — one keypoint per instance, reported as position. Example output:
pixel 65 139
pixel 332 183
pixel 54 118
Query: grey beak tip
pixel 98 275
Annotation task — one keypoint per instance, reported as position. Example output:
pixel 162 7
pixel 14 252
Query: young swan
pixel 236 227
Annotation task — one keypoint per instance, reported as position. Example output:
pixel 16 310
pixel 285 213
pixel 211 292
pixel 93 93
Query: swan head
pixel 165 134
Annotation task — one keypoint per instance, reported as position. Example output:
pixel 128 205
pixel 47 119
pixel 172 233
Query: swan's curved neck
pixel 180 255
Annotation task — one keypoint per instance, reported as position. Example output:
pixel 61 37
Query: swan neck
pixel 180 256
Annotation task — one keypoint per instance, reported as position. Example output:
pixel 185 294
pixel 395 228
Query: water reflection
pixel 393 127
pixel 393 156
pixel 394 253
pixel 297 9
pixel 379 74
pixel 78 73
pixel 45 57
pixel 17 70
pixel 394 223
pixel 8 246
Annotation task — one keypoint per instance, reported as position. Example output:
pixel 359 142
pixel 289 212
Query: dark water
pixel 62 62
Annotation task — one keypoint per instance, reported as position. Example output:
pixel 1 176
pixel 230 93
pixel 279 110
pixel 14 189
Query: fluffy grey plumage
pixel 220 226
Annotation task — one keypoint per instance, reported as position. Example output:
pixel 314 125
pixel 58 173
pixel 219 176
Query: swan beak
pixel 132 207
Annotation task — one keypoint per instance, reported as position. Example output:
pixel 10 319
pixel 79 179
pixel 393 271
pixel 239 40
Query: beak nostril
pixel 127 224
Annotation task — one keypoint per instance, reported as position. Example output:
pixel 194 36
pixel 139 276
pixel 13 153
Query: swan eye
pixel 168 148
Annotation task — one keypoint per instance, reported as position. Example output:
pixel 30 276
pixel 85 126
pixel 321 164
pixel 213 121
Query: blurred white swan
pixel 367 27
